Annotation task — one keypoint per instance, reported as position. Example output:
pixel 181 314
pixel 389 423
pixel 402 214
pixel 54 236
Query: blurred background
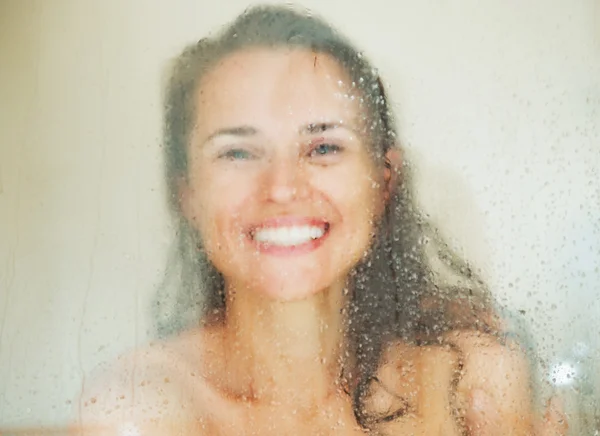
pixel 498 104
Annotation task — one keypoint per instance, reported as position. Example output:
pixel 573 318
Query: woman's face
pixel 281 188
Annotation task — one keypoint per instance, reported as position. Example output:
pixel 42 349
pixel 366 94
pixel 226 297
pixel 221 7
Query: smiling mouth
pixel 289 236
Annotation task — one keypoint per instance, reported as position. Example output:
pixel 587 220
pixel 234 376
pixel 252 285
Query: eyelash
pixel 336 149
pixel 333 149
pixel 230 154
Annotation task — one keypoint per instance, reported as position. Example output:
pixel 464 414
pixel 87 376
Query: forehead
pixel 257 86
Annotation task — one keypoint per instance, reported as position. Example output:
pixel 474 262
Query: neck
pixel 285 351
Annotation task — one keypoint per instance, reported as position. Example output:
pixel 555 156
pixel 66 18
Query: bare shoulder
pixel 496 365
pixel 417 381
pixel 400 358
pixel 438 382
pixel 419 373
pixel 500 370
pixel 482 361
pixel 153 390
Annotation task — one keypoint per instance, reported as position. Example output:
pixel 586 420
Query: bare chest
pixel 243 419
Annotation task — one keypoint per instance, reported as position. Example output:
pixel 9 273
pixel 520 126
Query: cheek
pixel 217 209
pixel 357 201
pixel 357 196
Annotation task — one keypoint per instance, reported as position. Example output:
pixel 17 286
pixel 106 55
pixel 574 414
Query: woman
pixel 330 306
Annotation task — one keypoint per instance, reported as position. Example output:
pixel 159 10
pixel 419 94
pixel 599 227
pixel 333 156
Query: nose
pixel 283 180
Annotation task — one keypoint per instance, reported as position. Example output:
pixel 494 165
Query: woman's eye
pixel 325 150
pixel 237 154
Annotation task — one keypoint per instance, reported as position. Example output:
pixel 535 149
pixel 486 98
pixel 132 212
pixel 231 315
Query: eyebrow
pixel 310 129
pixel 313 128
pixel 233 131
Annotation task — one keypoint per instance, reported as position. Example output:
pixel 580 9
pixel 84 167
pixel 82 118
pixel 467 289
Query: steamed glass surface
pixel 500 106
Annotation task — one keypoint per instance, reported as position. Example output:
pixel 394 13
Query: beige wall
pixel 499 99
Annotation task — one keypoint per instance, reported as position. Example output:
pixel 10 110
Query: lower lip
pixel 290 250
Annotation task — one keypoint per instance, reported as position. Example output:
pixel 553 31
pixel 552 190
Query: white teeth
pixel 286 236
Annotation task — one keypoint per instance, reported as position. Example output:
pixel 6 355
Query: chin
pixel 290 287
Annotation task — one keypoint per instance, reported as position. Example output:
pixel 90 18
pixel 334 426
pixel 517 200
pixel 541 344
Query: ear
pixel 393 164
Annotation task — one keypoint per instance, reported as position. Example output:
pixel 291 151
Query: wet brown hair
pixel 397 291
